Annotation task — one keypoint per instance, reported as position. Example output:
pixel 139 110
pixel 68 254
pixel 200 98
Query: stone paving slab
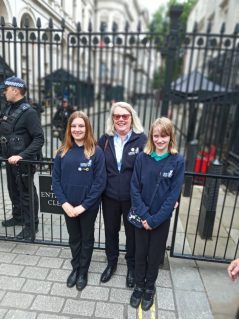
pixel 193 304
pixel 222 292
pixel 17 300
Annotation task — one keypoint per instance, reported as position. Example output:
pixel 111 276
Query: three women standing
pixel 78 180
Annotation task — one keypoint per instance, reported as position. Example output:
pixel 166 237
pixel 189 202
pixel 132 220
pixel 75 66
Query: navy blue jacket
pixel 118 183
pixel 143 183
pixel 78 180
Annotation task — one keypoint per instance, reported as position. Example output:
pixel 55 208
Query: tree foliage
pixel 161 24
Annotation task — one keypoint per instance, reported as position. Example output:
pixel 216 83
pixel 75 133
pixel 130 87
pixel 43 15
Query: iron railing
pixel 206 223
pixel 203 229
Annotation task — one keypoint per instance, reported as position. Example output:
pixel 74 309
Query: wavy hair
pixel 89 140
pixel 135 125
pixel 167 128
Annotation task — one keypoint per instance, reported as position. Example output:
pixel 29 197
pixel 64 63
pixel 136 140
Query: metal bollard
pixel 209 201
pixel 190 162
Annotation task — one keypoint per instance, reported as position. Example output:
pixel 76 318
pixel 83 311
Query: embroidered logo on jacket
pixel 85 166
pixel 133 151
pixel 169 174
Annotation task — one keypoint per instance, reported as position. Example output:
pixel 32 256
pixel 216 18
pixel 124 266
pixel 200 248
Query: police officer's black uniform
pixel 60 119
pixel 26 140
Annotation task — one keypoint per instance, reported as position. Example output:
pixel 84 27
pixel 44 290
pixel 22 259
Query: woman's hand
pixel 79 210
pixel 146 225
pixel 69 209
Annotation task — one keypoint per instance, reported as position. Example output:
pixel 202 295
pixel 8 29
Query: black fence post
pixel 209 201
pixel 192 150
pixel 172 46
pixel 31 201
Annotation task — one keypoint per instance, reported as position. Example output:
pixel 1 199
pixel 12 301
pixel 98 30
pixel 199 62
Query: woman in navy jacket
pixel 123 141
pixel 160 164
pixel 78 180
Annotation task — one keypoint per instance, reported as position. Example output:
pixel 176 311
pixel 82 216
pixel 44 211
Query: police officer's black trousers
pixel 150 245
pixel 81 239
pixel 112 211
pixel 19 192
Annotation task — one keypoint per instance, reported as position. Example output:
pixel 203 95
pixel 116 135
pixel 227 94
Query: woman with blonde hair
pixel 123 141
pixel 78 180
pixel 155 187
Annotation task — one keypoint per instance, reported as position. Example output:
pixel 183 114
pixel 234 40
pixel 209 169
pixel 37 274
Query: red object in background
pixel 201 164
pixel 204 159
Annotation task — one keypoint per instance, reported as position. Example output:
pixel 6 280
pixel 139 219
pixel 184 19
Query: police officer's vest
pixel 10 142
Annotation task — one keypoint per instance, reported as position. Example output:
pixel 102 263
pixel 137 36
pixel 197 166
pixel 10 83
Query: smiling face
pixel 78 130
pixel 160 140
pixel 122 120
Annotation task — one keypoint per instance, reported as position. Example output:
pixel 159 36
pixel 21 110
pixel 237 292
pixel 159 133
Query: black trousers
pixel 81 239
pixel 150 246
pixel 112 211
pixel 18 179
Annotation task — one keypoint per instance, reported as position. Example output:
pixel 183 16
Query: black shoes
pixel 71 280
pixel 12 222
pixel 130 278
pixel 148 299
pixel 26 233
pixel 77 279
pixel 81 281
pixel 108 272
pixel 136 297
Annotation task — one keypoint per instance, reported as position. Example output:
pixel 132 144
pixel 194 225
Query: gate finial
pixel 50 23
pixel 14 22
pixel 114 27
pixel 126 28
pixel 78 27
pixel 223 27
pixel 39 23
pixel 209 27
pixel 236 30
pixel 139 27
pixel 90 26
pixel 195 27
pixel 2 21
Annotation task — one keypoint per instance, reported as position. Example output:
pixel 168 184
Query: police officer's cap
pixel 15 82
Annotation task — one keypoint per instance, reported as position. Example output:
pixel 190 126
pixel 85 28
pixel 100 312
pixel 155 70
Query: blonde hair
pixel 135 125
pixel 89 139
pixel 167 128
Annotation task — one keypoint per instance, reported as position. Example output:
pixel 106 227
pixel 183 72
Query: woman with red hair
pixel 78 179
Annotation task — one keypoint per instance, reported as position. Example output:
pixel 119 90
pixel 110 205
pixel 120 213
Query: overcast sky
pixel 152 5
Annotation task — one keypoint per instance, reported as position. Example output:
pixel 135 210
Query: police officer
pixel 21 137
pixel 61 117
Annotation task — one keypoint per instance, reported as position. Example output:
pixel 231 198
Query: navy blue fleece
pixel 78 180
pixel 143 183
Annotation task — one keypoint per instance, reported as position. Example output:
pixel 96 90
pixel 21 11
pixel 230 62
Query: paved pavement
pixel 32 285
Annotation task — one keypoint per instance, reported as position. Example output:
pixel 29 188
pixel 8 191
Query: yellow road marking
pixel 152 311
pixel 140 312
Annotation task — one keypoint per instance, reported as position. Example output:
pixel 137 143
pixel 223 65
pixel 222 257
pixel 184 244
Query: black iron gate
pixel 93 69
